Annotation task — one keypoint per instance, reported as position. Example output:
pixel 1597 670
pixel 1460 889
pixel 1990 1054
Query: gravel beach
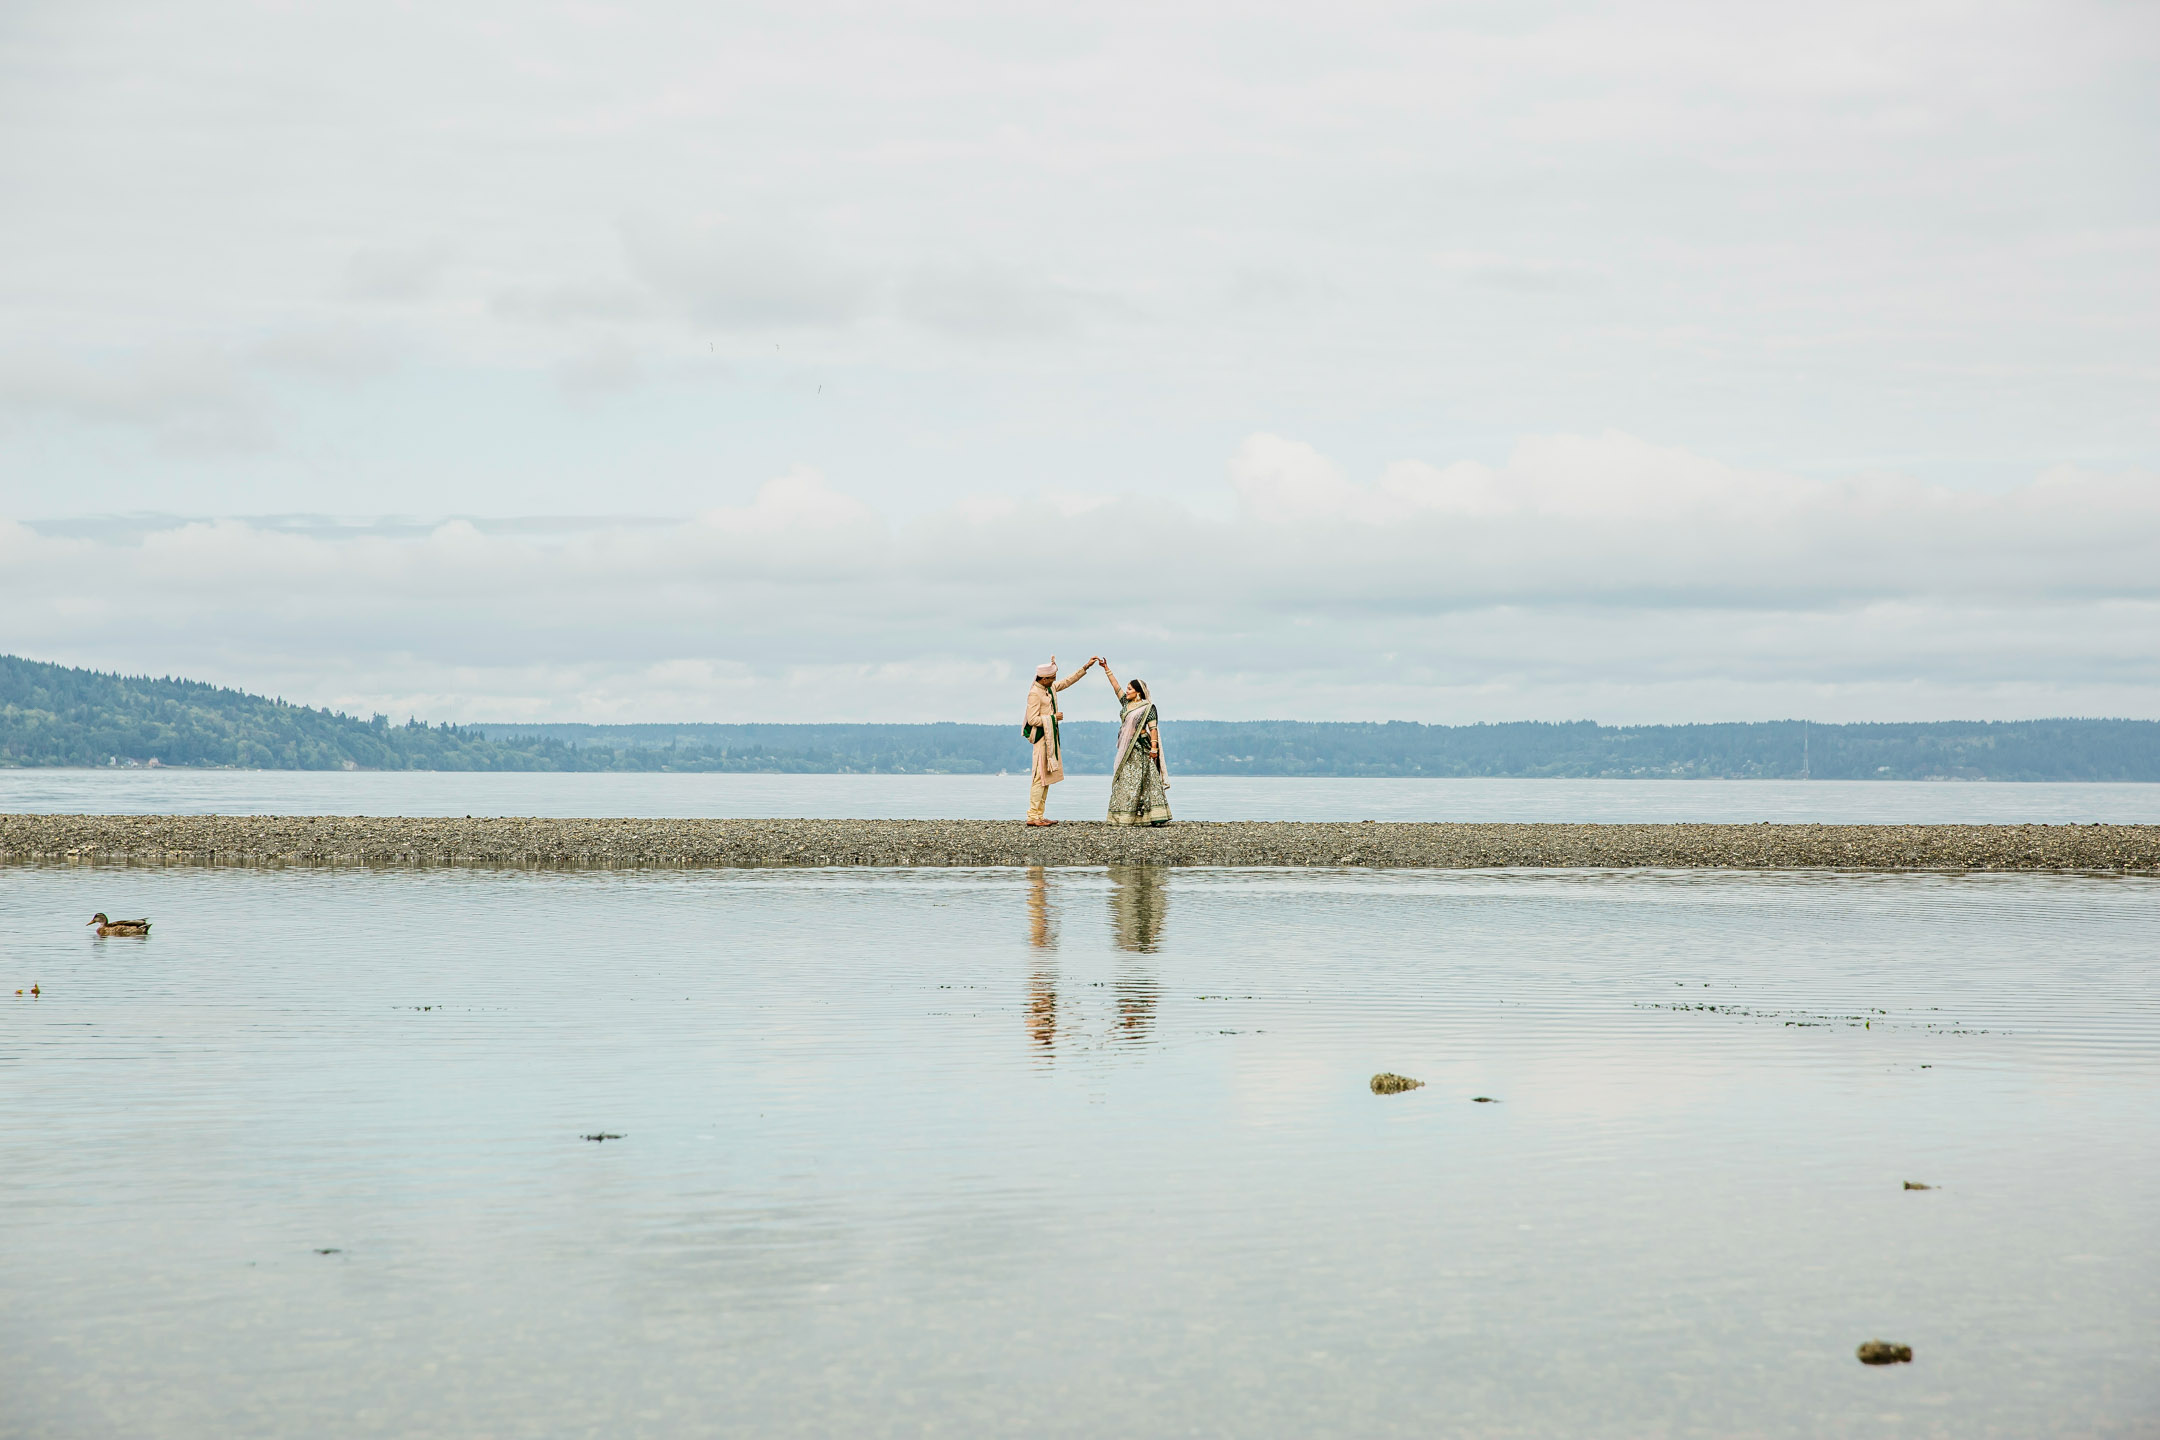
pixel 630 844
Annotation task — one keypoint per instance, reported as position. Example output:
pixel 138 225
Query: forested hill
pixel 53 715
pixel 1781 749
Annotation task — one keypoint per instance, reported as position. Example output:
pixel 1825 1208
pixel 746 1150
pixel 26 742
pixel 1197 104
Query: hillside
pixel 1782 749
pixel 54 715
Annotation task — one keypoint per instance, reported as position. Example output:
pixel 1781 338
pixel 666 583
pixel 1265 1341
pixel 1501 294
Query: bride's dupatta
pixel 1136 717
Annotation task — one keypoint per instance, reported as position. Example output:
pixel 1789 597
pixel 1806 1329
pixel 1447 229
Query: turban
pixel 1046 672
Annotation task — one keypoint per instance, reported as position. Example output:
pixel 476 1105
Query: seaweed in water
pixel 1805 1019
pixel 1388 1083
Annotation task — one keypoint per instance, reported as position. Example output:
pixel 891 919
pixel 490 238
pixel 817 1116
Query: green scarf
pixel 1035 732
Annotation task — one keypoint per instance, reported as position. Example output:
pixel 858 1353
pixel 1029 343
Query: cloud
pixel 986 301
pixel 1521 274
pixel 188 403
pixel 338 353
pixel 395 273
pixel 743 277
pixel 1064 246
pixel 572 303
pixel 796 503
pixel 203 402
pixel 740 277
pixel 1614 519
pixel 601 369
pixel 1603 477
pixel 1586 575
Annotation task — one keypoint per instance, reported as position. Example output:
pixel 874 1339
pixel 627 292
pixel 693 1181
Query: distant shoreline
pixel 55 716
pixel 732 844
pixel 1079 773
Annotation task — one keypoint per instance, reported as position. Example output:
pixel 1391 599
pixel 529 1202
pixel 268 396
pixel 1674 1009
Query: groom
pixel 1041 729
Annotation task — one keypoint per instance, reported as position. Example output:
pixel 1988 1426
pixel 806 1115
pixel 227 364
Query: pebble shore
pixel 642 844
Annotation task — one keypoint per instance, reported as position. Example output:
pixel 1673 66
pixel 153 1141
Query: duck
pixel 118 927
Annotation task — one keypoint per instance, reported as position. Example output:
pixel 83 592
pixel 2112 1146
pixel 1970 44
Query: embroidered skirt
pixel 1137 793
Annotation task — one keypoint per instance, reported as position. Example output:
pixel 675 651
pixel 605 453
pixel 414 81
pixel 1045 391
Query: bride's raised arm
pixel 1115 688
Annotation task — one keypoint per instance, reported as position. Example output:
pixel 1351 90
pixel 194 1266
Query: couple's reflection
pixel 1139 908
pixel 1042 978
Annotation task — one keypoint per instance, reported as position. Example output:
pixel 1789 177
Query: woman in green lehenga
pixel 1139 789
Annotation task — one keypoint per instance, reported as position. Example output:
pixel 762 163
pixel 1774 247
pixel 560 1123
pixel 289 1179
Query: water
pixel 1077 1153
pixel 982 797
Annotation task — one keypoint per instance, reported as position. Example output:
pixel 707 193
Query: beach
pixel 726 843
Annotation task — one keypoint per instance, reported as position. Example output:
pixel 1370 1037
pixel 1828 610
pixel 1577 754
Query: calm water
pixel 973 797
pixel 1085 1153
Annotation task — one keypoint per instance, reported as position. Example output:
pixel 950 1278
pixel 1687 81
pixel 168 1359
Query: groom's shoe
pixel 1041 823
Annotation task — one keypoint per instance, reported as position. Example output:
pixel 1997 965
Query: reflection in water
pixel 1139 902
pixel 1042 919
pixel 1042 980
pixel 1137 992
pixel 1139 905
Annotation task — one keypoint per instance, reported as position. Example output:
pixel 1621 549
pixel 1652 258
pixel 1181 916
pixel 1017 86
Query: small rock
pixel 1916 1185
pixel 328 1250
pixel 1882 1352
pixel 1483 1100
pixel 1388 1083
pixel 603 1135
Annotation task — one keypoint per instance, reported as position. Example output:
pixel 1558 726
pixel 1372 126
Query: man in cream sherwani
pixel 1041 729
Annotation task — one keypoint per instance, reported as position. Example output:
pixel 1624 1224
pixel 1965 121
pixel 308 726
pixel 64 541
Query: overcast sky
pixel 828 361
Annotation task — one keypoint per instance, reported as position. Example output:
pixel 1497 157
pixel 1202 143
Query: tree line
pixel 57 715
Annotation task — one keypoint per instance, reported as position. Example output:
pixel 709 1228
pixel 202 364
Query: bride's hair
pixel 1141 686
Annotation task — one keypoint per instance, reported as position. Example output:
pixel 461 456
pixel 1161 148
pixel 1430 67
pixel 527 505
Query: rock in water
pixel 1392 1084
pixel 1882 1352
pixel 1916 1185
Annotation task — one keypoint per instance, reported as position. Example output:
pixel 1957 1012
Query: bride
pixel 1138 787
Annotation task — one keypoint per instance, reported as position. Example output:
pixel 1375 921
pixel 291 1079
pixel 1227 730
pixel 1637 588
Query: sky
pixel 1639 362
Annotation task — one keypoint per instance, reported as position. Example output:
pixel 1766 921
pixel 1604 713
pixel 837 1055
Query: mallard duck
pixel 1882 1352
pixel 118 927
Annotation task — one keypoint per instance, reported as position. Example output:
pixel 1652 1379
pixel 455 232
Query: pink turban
pixel 1047 672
